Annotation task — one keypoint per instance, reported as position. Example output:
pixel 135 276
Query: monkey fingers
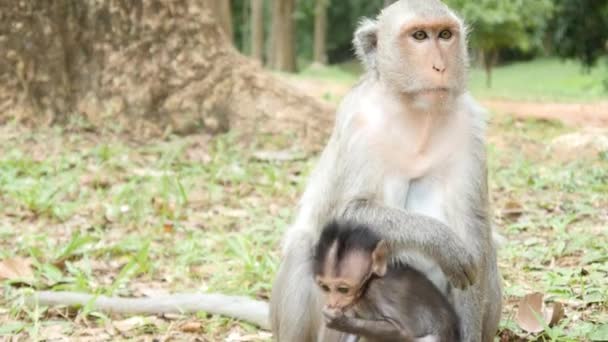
pixel 458 265
pixel 371 329
pixel 333 316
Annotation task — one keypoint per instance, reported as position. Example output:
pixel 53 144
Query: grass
pixel 546 79
pixel 102 213
pixel 543 80
pixel 106 215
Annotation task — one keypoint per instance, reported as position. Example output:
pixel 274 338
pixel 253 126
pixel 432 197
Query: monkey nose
pixel 439 68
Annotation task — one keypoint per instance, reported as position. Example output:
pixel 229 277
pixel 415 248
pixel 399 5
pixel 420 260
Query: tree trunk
pixel 388 2
pixel 283 36
pixel 257 29
pixel 320 53
pixel 170 69
pixel 490 58
pixel 223 13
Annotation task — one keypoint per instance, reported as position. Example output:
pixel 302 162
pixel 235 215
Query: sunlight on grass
pixel 537 80
pixel 543 79
pixel 175 215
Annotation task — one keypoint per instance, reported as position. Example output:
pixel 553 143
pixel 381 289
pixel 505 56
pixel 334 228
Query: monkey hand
pixel 458 265
pixel 335 319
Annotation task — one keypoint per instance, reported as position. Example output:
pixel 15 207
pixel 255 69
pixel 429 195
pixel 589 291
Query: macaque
pixel 406 158
pixel 367 297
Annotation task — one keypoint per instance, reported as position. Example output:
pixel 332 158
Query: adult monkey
pixel 407 157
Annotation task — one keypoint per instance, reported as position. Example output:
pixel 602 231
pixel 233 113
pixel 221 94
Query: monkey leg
pixel 468 306
pixel 295 306
pixel 493 303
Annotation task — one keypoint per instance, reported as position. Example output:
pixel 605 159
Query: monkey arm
pixel 381 330
pixel 405 230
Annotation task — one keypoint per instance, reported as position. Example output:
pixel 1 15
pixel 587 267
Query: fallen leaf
pixel 168 227
pixel 191 327
pixel 532 309
pixel 16 268
pixel 554 314
pixel 513 209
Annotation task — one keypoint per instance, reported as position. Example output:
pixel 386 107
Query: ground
pixel 106 213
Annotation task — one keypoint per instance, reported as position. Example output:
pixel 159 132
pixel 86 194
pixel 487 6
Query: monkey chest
pixel 423 196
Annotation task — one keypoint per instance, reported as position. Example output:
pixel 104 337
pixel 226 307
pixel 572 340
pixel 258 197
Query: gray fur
pixel 365 42
pixel 345 184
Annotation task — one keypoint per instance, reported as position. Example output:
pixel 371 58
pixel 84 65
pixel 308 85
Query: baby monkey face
pixel 343 282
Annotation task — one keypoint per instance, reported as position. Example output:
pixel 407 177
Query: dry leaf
pixel 168 227
pixel 513 209
pixel 532 309
pixel 529 307
pixel 16 268
pixel 191 327
pixel 554 313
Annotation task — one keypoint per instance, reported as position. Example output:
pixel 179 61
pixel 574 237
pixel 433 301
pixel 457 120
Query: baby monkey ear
pixel 380 259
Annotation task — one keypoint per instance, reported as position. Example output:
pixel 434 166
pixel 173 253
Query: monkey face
pixel 416 48
pixel 340 293
pixel 343 284
pixel 423 56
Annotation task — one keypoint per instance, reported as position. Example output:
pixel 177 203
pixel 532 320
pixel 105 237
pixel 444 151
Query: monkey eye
pixel 420 35
pixel 445 34
pixel 343 290
pixel 324 287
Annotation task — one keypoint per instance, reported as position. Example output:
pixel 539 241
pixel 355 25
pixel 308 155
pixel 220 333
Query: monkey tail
pixel 237 307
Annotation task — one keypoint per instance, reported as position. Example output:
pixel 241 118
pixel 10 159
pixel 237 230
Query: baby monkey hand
pixel 335 318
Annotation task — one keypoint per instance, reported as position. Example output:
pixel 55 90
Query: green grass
pixel 546 79
pixel 543 80
pixel 105 215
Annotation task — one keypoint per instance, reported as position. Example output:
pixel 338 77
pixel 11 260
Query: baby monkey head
pixel 347 256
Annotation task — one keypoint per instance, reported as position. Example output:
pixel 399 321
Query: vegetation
pixel 544 79
pixel 106 214
pixel 498 24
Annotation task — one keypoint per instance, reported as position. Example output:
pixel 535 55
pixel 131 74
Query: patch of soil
pixel 575 114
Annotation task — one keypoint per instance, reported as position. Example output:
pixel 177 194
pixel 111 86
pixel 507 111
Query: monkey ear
pixel 366 42
pixel 380 259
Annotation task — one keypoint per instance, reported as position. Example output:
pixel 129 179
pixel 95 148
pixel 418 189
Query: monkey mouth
pixel 439 90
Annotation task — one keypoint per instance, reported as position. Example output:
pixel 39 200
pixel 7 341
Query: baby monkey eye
pixel 343 290
pixel 420 35
pixel 324 287
pixel 445 34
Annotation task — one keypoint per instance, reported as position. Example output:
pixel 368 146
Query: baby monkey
pixel 367 297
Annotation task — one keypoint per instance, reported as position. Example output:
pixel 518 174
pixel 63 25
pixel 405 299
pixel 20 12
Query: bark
pixel 257 29
pixel 223 13
pixel 489 59
pixel 283 36
pixel 151 67
pixel 320 34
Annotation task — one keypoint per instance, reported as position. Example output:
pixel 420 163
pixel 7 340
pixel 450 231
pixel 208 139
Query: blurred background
pixel 159 146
